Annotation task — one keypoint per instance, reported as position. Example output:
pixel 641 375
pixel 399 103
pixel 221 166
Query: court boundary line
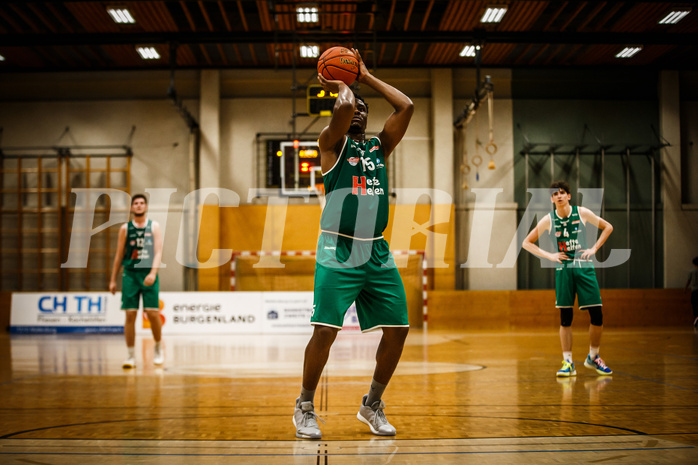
pixel 318 454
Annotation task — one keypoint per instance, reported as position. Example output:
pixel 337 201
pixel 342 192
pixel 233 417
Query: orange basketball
pixel 338 64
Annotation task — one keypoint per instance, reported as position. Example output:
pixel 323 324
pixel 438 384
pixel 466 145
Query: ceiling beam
pixel 579 38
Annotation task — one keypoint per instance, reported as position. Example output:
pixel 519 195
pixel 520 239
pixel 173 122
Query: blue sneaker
pixel 567 369
pixel 597 364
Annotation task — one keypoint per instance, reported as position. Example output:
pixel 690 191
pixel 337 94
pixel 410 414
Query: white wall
pixel 680 225
pixel 160 147
pixel 482 273
pixel 101 108
pixel 689 149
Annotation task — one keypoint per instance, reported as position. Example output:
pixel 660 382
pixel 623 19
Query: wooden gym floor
pixel 456 397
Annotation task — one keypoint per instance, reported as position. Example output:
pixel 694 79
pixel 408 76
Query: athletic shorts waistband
pixel 352 237
pixel 577 262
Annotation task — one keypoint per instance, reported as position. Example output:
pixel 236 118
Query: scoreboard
pixel 320 102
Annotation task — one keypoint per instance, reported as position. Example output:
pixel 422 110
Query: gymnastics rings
pixel 477 161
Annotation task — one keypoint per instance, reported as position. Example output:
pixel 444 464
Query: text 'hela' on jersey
pixel 357 191
pixel 568 234
pixel 139 248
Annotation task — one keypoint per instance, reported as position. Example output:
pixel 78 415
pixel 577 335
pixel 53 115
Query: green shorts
pixel 577 277
pixel 364 272
pixel 132 287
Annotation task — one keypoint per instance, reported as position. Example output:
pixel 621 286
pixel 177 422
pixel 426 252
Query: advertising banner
pixel 208 313
pixel 180 313
pixel 287 312
pixel 290 312
pixel 66 312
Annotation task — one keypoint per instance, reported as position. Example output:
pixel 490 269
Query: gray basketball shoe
pixel 374 417
pixel 304 420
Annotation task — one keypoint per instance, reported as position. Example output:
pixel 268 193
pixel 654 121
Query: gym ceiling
pixel 189 34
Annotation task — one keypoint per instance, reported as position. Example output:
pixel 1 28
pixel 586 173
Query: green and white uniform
pixel 354 263
pixel 139 252
pixel 573 276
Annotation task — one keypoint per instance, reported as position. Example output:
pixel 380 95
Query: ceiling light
pixel 469 50
pixel 2 58
pixel 674 17
pixel 147 52
pixel 310 51
pixel 120 15
pixel 307 14
pixel 628 52
pixel 493 14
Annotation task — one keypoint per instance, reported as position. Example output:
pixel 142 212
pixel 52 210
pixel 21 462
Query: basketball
pixel 338 64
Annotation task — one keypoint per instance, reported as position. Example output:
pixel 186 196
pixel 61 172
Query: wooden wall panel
pixel 511 310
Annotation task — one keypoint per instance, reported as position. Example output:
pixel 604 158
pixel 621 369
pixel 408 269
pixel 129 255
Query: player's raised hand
pixel 363 70
pixel 329 86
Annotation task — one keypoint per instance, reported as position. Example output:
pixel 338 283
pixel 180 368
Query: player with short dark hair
pixel 354 263
pixel 574 274
pixel 139 250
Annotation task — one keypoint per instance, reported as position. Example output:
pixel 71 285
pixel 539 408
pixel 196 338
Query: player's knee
pixel 398 334
pixel 325 335
pixel 596 316
pixel 566 316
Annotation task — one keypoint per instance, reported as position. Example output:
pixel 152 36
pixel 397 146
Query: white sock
pixel 593 352
pixel 131 352
pixel 157 346
pixel 567 356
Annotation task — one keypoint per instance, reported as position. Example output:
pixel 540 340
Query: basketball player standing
pixel 139 250
pixel 574 273
pixel 353 259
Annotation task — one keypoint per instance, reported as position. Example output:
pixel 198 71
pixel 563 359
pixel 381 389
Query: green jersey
pixel 356 190
pixel 139 249
pixel 568 233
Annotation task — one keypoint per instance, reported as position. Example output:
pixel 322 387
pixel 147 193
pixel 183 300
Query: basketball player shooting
pixel 354 263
